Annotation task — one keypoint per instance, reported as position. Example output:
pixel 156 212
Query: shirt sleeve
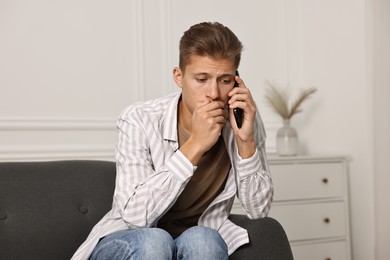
pixel 142 193
pixel 255 188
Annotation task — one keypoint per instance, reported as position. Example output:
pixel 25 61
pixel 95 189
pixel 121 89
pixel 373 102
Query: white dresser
pixel 311 203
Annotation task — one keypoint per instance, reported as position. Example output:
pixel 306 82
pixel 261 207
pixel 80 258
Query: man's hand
pixel 242 98
pixel 207 122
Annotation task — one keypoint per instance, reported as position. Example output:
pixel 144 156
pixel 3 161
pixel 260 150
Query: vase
pixel 287 140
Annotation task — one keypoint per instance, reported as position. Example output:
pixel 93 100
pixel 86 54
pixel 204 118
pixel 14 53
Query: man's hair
pixel 209 39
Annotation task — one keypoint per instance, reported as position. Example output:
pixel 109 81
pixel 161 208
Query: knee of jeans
pixel 158 244
pixel 157 236
pixel 148 243
pixel 206 239
pixel 205 233
pixel 112 249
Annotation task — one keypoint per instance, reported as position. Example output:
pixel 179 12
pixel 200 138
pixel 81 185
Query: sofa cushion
pixel 47 209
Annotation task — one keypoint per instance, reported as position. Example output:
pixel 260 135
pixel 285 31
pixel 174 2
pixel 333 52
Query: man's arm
pixel 143 193
pixel 255 189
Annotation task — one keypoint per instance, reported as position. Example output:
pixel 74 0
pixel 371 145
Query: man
pixel 181 160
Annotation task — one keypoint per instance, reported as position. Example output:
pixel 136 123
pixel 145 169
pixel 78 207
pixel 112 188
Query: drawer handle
pixel 328 258
pixel 325 180
pixel 327 220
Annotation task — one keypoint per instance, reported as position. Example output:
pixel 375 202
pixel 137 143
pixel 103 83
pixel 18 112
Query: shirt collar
pixel 170 119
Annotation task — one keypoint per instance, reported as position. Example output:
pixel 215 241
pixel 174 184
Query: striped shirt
pixel 152 172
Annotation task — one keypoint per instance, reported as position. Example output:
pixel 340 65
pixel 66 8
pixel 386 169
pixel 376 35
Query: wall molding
pixel 56 152
pixel 57 123
pixel 32 138
pixel 101 151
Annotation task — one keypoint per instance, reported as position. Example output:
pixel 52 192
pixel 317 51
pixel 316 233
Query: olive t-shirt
pixel 204 186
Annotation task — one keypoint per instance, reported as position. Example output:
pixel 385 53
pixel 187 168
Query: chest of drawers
pixel 311 202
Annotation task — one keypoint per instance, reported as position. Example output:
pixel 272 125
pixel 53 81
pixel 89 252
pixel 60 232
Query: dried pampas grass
pixel 279 101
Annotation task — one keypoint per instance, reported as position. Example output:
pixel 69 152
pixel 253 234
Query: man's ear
pixel 178 76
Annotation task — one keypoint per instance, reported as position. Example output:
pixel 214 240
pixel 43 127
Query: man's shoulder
pixel 149 108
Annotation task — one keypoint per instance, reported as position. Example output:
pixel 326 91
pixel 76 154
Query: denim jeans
pixel 155 244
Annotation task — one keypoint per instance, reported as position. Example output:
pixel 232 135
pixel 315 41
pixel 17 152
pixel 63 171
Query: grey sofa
pixel 47 209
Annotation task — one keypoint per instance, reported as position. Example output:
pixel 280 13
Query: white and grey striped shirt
pixel 152 172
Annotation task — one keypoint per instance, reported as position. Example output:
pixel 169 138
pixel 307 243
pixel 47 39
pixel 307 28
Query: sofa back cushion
pixel 47 209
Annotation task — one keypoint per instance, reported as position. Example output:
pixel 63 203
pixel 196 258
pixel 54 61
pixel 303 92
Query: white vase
pixel 287 140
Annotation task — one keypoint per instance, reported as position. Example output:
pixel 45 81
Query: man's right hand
pixel 207 123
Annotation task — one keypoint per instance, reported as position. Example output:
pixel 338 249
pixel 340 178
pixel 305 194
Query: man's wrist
pixel 246 149
pixel 192 150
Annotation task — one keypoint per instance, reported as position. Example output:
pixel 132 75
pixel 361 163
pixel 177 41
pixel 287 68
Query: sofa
pixel 47 210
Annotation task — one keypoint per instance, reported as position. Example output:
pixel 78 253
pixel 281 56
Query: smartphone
pixel 238 112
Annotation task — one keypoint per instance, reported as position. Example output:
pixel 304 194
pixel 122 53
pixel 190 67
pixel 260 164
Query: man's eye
pixel 201 80
pixel 226 81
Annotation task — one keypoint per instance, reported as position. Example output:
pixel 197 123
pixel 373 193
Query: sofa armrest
pixel 267 240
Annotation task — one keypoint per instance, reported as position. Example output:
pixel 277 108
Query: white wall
pixel 380 79
pixel 68 68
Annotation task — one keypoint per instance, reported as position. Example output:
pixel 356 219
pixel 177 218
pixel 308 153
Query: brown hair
pixel 209 39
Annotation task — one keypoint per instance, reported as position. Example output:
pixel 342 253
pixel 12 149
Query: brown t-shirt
pixel 204 186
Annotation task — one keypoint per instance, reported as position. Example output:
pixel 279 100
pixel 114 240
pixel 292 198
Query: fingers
pixel 213 109
pixel 242 90
pixel 241 95
pixel 207 123
pixel 241 98
pixel 211 113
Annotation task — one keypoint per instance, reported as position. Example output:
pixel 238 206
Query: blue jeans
pixel 155 244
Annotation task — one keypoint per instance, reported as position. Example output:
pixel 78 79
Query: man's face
pixel 204 80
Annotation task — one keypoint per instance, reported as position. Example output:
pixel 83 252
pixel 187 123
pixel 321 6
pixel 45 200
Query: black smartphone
pixel 238 112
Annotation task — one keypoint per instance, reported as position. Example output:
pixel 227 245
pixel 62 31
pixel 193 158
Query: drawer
pixel 311 220
pixel 321 251
pixel 307 181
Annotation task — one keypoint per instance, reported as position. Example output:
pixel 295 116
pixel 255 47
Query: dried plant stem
pixel 279 101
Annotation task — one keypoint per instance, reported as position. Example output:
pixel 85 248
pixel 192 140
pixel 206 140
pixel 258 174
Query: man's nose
pixel 213 90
